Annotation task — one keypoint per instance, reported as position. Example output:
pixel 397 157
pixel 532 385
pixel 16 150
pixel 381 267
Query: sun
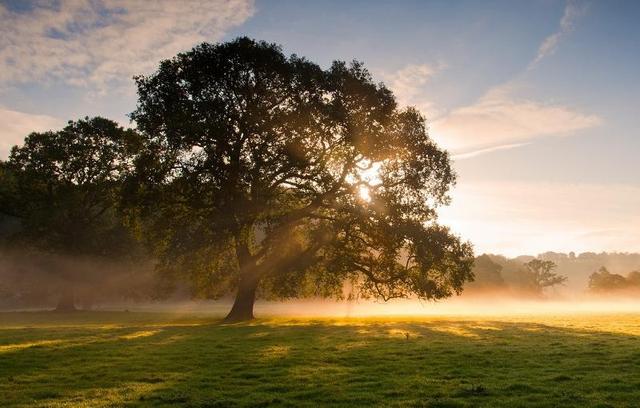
pixel 370 173
pixel 364 193
pixel 368 176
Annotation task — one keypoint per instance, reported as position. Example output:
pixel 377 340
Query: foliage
pixel 256 172
pixel 486 274
pixel 63 188
pixel 605 281
pixel 514 273
pixel 522 275
pixel 542 275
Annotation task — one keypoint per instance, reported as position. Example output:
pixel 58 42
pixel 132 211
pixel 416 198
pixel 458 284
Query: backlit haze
pixel 537 101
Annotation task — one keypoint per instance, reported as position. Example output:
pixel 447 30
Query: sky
pixel 537 101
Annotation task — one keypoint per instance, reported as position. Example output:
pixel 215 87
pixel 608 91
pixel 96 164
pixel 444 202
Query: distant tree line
pixel 529 274
pixel 605 281
pixel 580 267
pixel 496 272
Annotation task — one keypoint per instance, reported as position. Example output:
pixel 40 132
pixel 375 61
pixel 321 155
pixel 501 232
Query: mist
pixel 35 280
pixel 490 304
pixel 32 280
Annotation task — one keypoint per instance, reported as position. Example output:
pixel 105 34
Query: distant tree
pixel 542 275
pixel 634 279
pixel 63 187
pixel 555 257
pixel 486 273
pixel 515 275
pixel 605 281
pixel 271 176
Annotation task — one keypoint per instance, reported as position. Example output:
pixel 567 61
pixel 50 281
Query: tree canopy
pixel 487 274
pixel 270 175
pixel 542 275
pixel 64 187
pixel 605 281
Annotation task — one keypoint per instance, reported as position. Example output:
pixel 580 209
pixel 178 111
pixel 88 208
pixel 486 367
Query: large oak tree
pixel 268 175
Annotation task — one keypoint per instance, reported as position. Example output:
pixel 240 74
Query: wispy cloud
pixel 474 153
pixel 14 126
pixel 572 12
pixel 103 43
pixel 408 85
pixel 499 120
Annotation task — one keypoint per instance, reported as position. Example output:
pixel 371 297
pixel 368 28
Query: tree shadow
pixel 323 362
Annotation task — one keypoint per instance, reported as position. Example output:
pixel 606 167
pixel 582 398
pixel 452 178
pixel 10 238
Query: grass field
pixel 144 359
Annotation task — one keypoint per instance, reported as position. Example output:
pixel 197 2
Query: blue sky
pixel 537 100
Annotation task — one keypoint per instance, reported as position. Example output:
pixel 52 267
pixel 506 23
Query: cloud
pixel 14 126
pixel 498 120
pixel 516 218
pixel 572 12
pixel 474 153
pixel 408 84
pixel 102 43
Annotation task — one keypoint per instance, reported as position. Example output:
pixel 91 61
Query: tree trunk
pixel 242 309
pixel 67 301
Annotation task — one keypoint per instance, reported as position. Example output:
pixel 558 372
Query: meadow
pixel 100 359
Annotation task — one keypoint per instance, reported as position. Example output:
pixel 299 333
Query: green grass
pixel 144 359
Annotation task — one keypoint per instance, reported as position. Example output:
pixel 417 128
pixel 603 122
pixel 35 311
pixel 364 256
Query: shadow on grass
pixel 139 359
